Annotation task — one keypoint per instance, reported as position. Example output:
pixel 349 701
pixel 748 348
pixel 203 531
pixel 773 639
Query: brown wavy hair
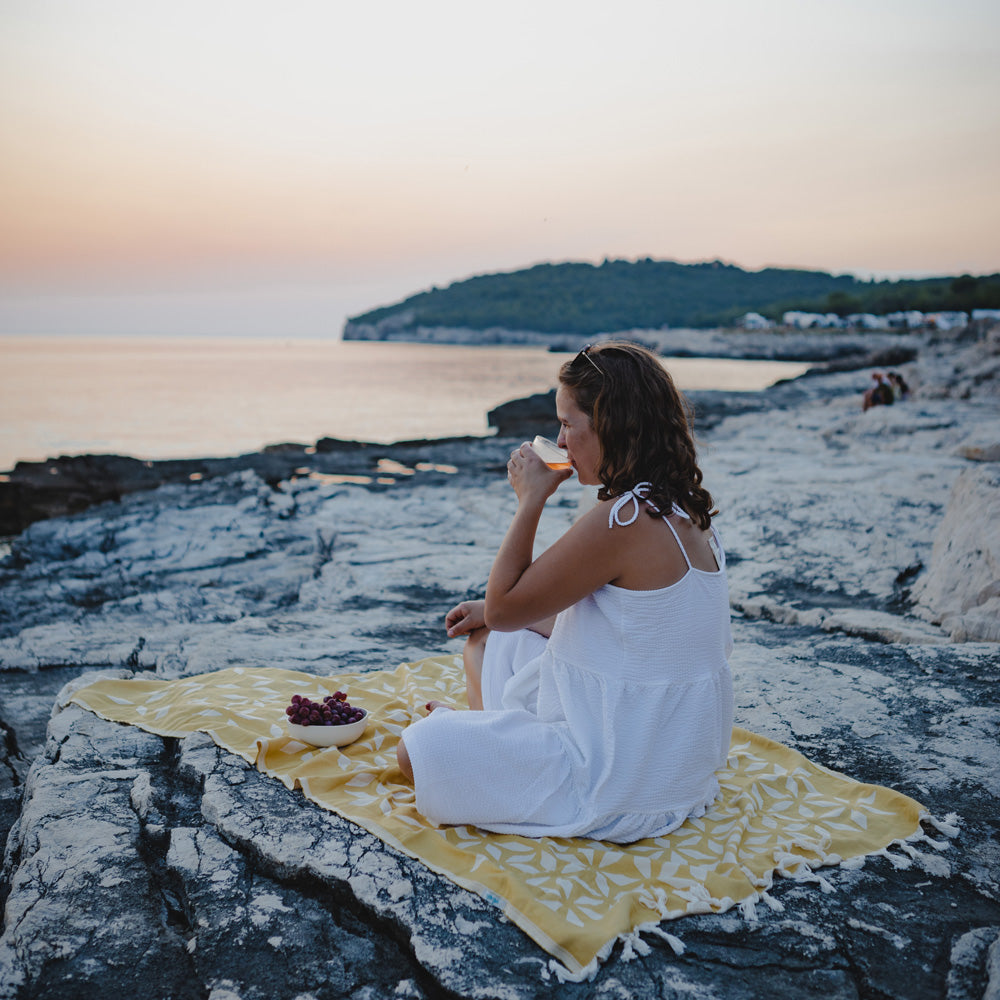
pixel 643 425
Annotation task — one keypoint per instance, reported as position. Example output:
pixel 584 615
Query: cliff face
pixel 152 867
pixel 384 329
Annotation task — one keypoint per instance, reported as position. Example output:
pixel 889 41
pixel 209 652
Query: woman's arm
pixel 521 592
pixel 544 627
pixel 467 617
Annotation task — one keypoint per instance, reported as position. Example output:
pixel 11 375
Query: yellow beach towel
pixel 778 813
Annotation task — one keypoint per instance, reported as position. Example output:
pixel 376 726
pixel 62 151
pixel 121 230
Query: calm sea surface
pixel 160 397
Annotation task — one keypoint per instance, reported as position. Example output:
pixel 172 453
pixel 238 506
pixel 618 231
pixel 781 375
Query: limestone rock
pixel 962 368
pixel 961 589
pixel 983 447
pixel 524 418
pixel 209 876
pixel 33 491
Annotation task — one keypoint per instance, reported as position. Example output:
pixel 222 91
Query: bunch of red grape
pixel 335 710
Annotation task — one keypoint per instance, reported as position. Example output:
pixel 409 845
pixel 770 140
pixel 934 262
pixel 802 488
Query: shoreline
pixel 244 394
pixel 66 484
pixel 774 344
pixel 70 484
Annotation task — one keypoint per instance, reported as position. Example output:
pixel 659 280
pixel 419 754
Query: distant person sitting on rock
pixel 599 670
pixel 880 394
pixel 900 390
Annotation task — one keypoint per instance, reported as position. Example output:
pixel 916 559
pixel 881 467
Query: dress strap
pixel 677 538
pixel 720 553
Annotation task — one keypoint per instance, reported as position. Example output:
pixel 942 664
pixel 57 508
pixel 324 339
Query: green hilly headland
pixel 583 298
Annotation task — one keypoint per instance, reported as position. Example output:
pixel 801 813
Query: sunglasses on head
pixel 584 354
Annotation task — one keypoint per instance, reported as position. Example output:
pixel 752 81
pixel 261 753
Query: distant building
pixel 754 321
pixel 909 319
pixel 947 320
pixel 867 321
pixel 812 321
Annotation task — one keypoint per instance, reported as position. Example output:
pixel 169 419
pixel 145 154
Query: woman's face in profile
pixel 578 437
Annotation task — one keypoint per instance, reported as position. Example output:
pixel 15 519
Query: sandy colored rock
pixel 961 589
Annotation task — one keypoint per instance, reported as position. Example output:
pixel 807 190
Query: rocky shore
pixel 864 563
pixel 778 344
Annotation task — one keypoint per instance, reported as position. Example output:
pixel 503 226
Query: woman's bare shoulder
pixel 598 518
pixel 648 553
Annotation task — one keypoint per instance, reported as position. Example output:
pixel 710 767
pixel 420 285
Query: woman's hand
pixel 531 477
pixel 465 618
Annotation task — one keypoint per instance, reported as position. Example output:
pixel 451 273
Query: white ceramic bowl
pixel 329 736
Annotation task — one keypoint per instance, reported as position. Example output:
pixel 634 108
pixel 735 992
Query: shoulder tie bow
pixel 633 496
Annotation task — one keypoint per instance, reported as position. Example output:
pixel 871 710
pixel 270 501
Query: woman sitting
pixel 600 669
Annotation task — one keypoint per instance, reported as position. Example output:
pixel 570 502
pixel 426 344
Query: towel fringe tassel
pixel 633 946
pixel 897 862
pixel 564 975
pixel 773 904
pixel 949 826
pixel 672 939
pixel 587 973
pixel 800 870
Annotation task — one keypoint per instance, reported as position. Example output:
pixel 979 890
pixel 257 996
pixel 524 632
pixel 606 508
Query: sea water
pixel 187 397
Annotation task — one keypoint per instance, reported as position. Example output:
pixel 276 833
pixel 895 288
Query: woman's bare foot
pixel 431 705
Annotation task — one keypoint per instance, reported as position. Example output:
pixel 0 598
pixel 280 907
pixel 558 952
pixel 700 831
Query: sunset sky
pixel 217 166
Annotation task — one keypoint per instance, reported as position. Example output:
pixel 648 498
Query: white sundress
pixel 612 728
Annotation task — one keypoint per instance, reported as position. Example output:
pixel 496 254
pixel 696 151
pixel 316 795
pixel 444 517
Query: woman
pixel 601 667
